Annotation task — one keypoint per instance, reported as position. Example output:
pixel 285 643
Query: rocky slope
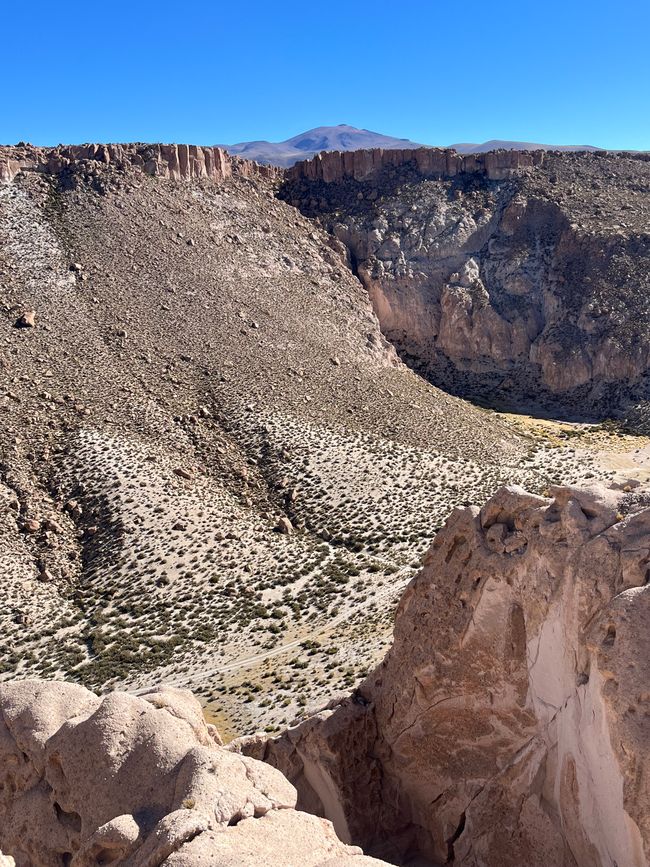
pixel 123 780
pixel 215 470
pixel 508 724
pixel 520 279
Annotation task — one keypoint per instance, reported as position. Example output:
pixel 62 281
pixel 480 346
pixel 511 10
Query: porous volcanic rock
pixel 86 780
pixel 509 723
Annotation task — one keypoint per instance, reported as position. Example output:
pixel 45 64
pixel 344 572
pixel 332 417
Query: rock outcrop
pixel 511 276
pixel 510 721
pixel 86 780
pixel 359 165
pixel 176 161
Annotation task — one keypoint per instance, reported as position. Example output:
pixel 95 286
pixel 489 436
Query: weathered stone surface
pixel 509 723
pixel 176 161
pixel 86 780
pixel 332 166
pixel 27 319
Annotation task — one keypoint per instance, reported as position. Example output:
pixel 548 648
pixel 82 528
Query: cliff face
pixel 508 724
pixel 358 165
pixel 511 276
pixel 123 780
pixel 176 161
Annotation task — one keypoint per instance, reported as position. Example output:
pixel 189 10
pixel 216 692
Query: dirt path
pixel 198 677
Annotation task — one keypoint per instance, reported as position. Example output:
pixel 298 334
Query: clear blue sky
pixel 210 72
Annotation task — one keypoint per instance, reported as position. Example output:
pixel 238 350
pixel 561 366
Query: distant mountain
pixel 322 138
pixel 496 144
pixel 350 138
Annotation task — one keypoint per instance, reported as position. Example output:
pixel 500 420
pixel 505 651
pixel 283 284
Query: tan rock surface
pixel 86 780
pixel 509 722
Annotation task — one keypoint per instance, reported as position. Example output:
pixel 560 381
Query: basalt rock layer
pixel 141 781
pixel 176 161
pixel 510 276
pixel 331 166
pixel 509 723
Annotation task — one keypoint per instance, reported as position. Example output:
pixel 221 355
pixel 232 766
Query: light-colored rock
pixel 86 780
pixel 27 319
pixel 284 525
pixel 510 722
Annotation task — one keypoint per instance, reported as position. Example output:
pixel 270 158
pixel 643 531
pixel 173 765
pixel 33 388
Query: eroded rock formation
pixel 509 723
pixel 502 275
pixel 332 166
pixel 176 161
pixel 86 780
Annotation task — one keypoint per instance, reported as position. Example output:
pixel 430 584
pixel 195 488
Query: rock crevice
pixel 508 723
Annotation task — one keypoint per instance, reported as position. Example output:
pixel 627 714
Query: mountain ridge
pixel 344 137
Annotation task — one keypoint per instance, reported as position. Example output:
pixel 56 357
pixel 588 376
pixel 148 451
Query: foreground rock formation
pixel 123 780
pixel 509 724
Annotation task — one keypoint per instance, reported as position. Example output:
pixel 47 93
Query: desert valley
pixel 355 448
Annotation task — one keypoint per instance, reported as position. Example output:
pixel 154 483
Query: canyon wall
pixel 509 723
pixel 176 161
pixel 517 278
pixel 331 166
pixel 513 278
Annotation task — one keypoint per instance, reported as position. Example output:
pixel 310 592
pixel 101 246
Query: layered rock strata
pixel 510 722
pixel 86 780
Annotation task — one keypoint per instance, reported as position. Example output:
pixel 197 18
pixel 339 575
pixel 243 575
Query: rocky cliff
pixel 331 166
pixel 509 722
pixel 512 277
pixel 187 367
pixel 176 161
pixel 142 781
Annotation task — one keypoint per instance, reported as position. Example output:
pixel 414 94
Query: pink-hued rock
pixel 509 724
pixel 143 781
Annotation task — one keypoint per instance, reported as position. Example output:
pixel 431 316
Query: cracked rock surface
pixel 86 780
pixel 509 722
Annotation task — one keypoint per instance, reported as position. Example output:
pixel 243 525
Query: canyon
pixel 238 404
pixel 516 278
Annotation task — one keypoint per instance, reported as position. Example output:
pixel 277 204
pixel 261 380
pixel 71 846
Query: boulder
pixel 141 781
pixel 27 319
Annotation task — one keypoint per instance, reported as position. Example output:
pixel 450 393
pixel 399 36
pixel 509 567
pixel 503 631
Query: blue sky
pixel 558 72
